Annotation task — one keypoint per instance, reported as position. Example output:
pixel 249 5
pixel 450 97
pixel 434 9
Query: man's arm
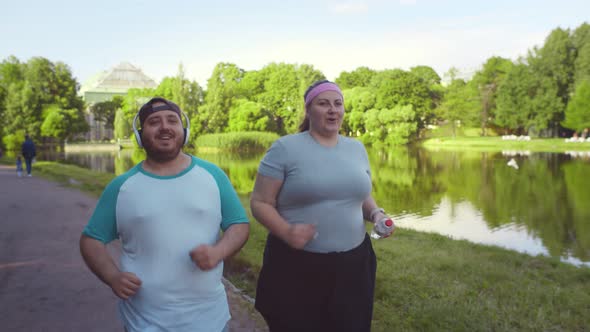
pixel 233 239
pixel 100 262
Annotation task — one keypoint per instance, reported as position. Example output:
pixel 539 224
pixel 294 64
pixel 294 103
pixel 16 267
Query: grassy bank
pixel 238 141
pixel 428 282
pixel 497 144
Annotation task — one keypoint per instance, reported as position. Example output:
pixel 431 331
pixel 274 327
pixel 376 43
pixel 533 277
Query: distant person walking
pixel 19 166
pixel 28 152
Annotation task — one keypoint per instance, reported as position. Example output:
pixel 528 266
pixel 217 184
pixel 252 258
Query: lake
pixel 539 205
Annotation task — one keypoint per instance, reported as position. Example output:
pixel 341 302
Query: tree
pixel 555 61
pixel 581 42
pixel 281 95
pixel 357 101
pixel 433 81
pixel 248 115
pixel 62 124
pixel 105 111
pixel 427 74
pixel 488 79
pixel 390 127
pixel 122 127
pixel 21 112
pixel 399 88
pixel 279 89
pixel 30 88
pixel 451 74
pixel 360 77
pixel 461 103
pixel 526 101
pixel 133 100
pixel 11 71
pixel 188 95
pixel 577 114
pixel 582 64
pixel 252 84
pixel 222 90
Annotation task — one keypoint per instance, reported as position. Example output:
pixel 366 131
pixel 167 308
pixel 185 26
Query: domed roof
pixel 119 79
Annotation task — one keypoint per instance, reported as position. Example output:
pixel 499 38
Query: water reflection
pixel 540 208
pixel 462 220
pixel 101 161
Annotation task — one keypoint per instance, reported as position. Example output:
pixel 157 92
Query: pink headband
pixel 328 86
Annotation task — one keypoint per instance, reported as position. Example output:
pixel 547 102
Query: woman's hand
pixel 298 235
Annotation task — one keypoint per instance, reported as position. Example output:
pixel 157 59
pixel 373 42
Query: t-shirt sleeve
pixel 102 225
pixel 274 161
pixel 365 159
pixel 232 211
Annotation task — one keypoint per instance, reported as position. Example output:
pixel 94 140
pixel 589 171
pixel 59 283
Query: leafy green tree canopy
pixel 360 77
pixel 577 114
pixel 105 111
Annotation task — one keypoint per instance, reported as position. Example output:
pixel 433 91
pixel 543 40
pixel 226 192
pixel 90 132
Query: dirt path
pixel 44 284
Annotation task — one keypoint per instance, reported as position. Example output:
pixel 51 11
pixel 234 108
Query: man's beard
pixel 159 155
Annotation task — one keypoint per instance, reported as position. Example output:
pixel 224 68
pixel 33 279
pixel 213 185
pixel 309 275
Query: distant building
pixel 104 86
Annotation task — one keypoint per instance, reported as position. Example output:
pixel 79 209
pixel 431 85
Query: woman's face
pixel 325 113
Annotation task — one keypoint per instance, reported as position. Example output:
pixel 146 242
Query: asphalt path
pixel 44 283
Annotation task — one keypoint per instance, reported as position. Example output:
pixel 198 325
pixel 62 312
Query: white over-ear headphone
pixel 186 130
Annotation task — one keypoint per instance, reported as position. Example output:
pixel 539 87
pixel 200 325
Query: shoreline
pixel 410 265
pixel 497 144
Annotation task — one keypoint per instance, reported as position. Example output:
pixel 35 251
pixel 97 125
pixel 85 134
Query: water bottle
pixel 382 228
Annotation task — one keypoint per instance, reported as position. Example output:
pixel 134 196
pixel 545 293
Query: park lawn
pixel 429 282
pixel 496 143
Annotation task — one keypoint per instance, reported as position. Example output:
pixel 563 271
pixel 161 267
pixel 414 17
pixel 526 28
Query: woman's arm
pixel 263 206
pixel 371 211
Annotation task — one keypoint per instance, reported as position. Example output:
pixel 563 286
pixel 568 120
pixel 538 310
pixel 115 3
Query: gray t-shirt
pixel 325 186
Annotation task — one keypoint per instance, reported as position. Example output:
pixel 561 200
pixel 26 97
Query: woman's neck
pixel 327 140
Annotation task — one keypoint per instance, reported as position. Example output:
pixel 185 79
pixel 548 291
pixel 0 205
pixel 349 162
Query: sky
pixel 331 35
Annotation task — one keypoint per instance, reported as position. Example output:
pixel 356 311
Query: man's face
pixel 162 135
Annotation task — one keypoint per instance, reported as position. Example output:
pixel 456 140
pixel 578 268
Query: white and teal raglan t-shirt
pixel 159 220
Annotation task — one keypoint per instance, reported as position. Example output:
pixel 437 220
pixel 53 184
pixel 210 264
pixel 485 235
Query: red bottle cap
pixel 388 223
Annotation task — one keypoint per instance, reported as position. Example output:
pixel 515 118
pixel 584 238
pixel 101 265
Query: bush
pixel 13 142
pixel 248 141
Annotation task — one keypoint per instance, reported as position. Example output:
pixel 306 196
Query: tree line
pixel 542 94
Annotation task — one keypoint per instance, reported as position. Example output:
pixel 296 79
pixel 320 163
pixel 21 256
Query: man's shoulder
pixel 119 180
pixel 207 165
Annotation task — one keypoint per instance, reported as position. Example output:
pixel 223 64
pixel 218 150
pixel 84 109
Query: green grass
pixel 237 141
pixel 497 144
pixel 429 282
pixel 74 176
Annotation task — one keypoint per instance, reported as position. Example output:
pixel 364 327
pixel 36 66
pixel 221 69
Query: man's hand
pixel 125 284
pixel 299 235
pixel 206 257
